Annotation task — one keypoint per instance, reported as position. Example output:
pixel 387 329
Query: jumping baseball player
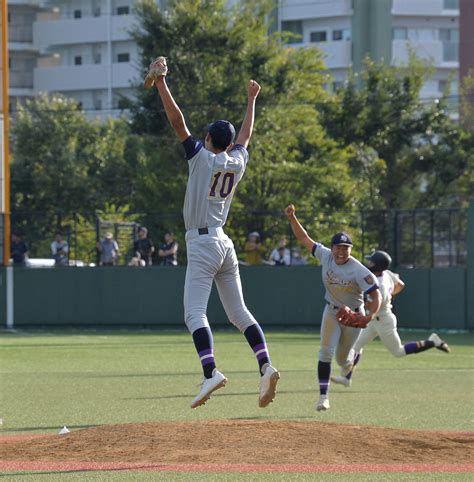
pixel 215 169
pixel 346 281
pixel 384 324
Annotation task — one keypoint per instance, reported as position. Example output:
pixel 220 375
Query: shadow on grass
pixel 221 394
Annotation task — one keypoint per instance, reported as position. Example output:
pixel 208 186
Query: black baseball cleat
pixel 439 343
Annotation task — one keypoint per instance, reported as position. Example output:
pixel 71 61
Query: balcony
pixel 79 31
pixel 20 33
pixel 336 54
pixel 431 8
pixel 302 10
pixel 21 80
pixel 27 3
pixel 83 77
pixel 441 54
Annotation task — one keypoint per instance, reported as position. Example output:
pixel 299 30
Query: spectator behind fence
pixel 18 251
pixel 281 255
pixel 60 250
pixel 253 249
pixel 168 251
pixel 143 247
pixel 297 259
pixel 108 249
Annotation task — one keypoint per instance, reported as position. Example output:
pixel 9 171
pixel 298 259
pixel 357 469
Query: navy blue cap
pixel 341 238
pixel 222 133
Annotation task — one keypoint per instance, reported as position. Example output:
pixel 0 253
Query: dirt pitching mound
pixel 246 441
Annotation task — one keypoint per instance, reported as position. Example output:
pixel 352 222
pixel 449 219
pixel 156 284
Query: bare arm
pixel 298 230
pixel 173 112
pixel 246 129
pixel 372 304
pixel 398 287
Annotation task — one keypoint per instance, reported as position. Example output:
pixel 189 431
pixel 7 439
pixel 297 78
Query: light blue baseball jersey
pixel 345 283
pixel 211 183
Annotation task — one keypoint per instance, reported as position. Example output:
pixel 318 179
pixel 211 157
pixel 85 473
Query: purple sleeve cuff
pixel 372 288
pixel 239 146
pixel 191 147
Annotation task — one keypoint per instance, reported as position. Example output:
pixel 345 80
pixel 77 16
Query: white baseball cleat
pixel 439 343
pixel 340 380
pixel 209 385
pixel 323 404
pixel 268 383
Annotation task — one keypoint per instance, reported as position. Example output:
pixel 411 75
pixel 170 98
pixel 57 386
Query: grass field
pixel 83 379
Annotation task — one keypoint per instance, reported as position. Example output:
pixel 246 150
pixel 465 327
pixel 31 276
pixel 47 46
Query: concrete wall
pixel 434 298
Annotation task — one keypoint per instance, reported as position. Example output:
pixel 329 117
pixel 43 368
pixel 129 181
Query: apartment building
pixel 92 57
pixel 82 48
pixel 349 30
pixel 22 53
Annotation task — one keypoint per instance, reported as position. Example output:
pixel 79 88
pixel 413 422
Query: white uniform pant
pixel 336 338
pixel 384 327
pixel 212 257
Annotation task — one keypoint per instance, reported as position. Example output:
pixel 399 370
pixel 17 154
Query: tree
pixel 64 163
pixel 212 52
pixel 423 152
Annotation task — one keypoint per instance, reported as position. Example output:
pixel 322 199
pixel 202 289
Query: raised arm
pixel 298 230
pixel 246 129
pixel 173 112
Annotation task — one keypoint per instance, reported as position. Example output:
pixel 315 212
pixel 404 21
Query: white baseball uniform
pixel 345 285
pixel 212 181
pixel 384 324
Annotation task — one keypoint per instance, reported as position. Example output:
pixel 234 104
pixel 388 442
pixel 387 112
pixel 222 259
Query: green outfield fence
pixel 439 294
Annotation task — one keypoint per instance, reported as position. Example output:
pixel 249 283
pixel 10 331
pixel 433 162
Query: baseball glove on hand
pixel 347 317
pixel 158 68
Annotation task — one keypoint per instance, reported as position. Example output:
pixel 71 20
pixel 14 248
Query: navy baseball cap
pixel 341 238
pixel 222 133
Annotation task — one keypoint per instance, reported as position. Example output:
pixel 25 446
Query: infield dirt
pixel 244 441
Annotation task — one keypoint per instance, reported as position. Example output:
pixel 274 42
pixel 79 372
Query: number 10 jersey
pixel 212 181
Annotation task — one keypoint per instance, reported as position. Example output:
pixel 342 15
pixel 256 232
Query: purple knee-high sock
pixel 413 347
pixel 256 340
pixel 324 372
pixel 356 361
pixel 204 344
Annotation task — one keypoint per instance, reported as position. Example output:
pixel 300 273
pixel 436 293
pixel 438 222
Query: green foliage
pixel 421 154
pixel 64 163
pixel 212 52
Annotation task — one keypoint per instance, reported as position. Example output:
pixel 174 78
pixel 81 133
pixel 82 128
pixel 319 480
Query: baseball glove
pixel 157 69
pixel 347 317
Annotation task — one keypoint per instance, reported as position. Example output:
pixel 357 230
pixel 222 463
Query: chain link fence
pixel 414 238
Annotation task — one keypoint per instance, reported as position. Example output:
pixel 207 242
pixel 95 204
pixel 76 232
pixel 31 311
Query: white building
pixel 348 30
pixel 23 54
pixel 82 48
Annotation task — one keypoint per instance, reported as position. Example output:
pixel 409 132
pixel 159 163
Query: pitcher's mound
pixel 246 441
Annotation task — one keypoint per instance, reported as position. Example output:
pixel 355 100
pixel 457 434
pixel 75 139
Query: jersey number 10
pixel 222 184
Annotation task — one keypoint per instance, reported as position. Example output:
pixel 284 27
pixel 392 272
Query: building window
pixel 318 36
pixel 451 4
pixel 78 60
pixel 125 57
pixel 295 27
pixel 98 104
pixel 97 58
pixel 450 39
pixel 453 86
pixel 77 14
pixel 449 34
pixel 399 34
pixel 97 12
pixel 341 34
pixel 123 10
